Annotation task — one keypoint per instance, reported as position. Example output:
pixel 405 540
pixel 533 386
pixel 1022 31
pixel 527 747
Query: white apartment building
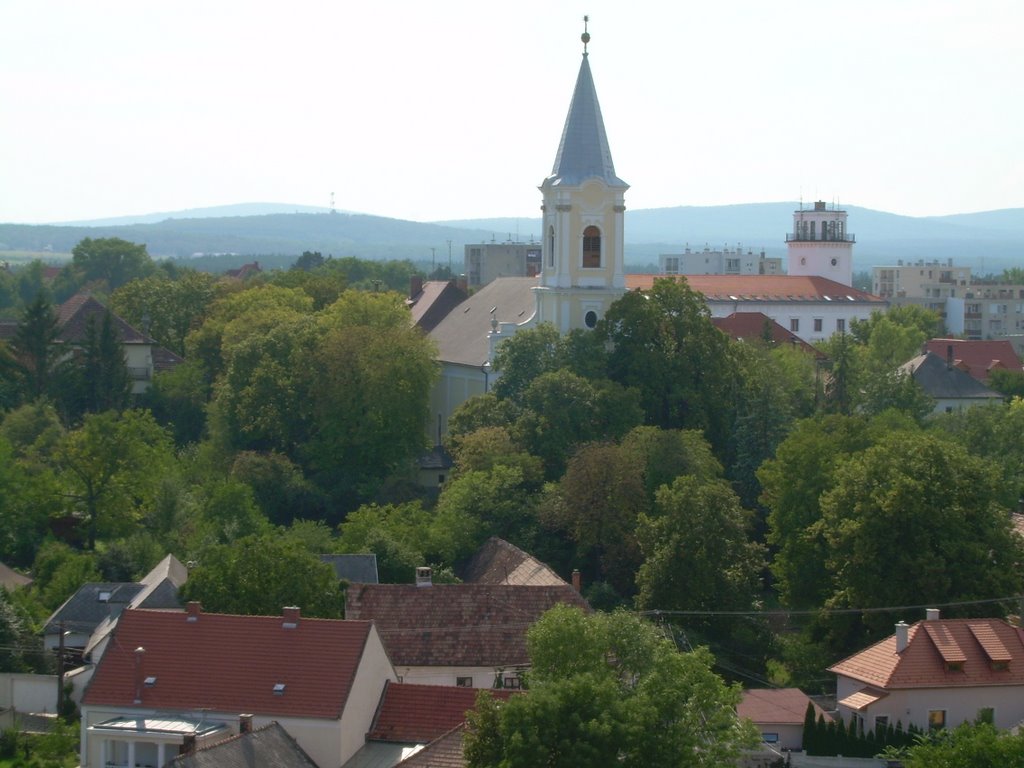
pixel 726 261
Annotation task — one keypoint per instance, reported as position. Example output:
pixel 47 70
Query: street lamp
pixel 486 368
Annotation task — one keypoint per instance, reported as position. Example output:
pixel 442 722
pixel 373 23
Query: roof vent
pixel 424 576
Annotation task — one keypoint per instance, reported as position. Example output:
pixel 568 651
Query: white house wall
pixel 364 695
pixel 829 312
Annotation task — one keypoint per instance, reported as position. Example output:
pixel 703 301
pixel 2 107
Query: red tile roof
pixel 500 562
pixel 751 325
pixel 230 663
pixel 456 624
pixel 422 713
pixel 777 706
pixel 978 358
pixel 764 288
pixel 942 653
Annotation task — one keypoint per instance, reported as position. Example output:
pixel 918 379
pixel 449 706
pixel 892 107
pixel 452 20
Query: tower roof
pixel 583 152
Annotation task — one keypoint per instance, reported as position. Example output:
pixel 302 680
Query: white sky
pixel 452 109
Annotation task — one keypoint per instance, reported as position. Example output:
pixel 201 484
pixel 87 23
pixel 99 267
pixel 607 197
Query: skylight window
pixel 279 689
pixel 150 681
pixel 104 596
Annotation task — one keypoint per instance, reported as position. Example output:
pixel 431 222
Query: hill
pixel 987 241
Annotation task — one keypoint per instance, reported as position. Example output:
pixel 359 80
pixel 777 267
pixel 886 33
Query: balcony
pixel 139 373
pixel 798 237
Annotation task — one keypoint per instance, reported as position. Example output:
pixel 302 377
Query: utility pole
pixel 449 259
pixel 60 671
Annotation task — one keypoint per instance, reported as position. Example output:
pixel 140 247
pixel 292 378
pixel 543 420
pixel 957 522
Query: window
pixel 987 715
pixel 794 324
pixel 881 722
pixel 770 738
pixel 591 248
pixel 841 325
pixel 551 246
pixel 1000 666
pixel 590 319
pixel 464 682
pixel 511 682
pixel 671 265
pixel 817 324
pixel 936 719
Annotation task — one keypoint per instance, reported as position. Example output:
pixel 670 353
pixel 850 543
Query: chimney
pixel 462 284
pixel 931 614
pixel 291 617
pixel 949 356
pixel 140 655
pixel 194 608
pixel 424 577
pixel 901 636
pixel 188 744
pixel 577 581
pixel 245 723
pixel 415 286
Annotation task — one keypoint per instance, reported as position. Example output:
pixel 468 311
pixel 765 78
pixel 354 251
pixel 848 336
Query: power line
pixel 829 611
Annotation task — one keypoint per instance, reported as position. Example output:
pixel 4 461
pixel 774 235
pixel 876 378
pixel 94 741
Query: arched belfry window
pixel 591 248
pixel 551 246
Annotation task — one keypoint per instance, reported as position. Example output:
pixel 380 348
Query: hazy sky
pixel 450 109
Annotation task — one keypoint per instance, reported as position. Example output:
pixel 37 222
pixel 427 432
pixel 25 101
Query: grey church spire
pixel 583 152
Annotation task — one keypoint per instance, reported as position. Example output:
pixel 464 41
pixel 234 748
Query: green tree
pixel 911 520
pixel 164 308
pixel 522 358
pixel 110 468
pixel 1008 383
pixel 109 260
pixel 261 575
pixel 36 354
pixel 977 745
pixel 24 494
pixel 103 381
pixel 698 555
pixel 664 344
pixel 608 689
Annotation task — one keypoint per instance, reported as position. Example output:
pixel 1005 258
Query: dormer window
pixel 1000 666
pixel 591 248
pixel 954 666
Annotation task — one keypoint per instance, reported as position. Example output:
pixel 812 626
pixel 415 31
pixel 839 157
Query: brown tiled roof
pixel 433 303
pixel 164 359
pixel 762 288
pixel 499 562
pixel 942 653
pixel 455 624
pixel 777 706
pixel 445 752
pixel 978 358
pixel 73 317
pixel 750 325
pixel 422 713
pixel 230 663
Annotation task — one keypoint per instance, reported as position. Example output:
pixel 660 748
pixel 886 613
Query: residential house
pixel 936 673
pixel 778 713
pixel 96 605
pixel 411 719
pixel 950 387
pixel 431 301
pixel 361 568
pixel 471 635
pixel 978 358
pixel 269 746
pixel 177 681
pixel 743 326
pixel 10 579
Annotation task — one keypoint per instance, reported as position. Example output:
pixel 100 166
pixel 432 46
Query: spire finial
pixel 585 37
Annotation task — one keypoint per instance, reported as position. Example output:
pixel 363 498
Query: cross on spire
pixel 585 37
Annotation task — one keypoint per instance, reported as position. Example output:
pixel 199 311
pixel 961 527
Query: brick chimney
pixel 949 356
pixel 188 744
pixel 291 617
pixel 415 286
pixel 245 723
pixel 194 608
pixel 577 580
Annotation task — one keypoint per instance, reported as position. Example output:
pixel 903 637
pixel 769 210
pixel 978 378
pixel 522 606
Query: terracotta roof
pixel 268 747
pixel 422 713
pixel 751 325
pixel 777 706
pixel 231 663
pixel 461 337
pixel 863 698
pixel 978 358
pixel 942 653
pixel 73 317
pixel 499 562
pixel 444 752
pixel 455 624
pixel 164 359
pixel 761 288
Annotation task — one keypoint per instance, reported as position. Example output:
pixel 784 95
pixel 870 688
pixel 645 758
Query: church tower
pixel 819 244
pixel 582 269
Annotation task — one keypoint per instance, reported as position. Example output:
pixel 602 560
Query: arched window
pixel 591 248
pixel 551 246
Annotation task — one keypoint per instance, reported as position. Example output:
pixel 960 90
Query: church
pixel 582 268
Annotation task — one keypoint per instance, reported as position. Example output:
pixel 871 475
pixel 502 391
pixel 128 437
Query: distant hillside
pixel 987 241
